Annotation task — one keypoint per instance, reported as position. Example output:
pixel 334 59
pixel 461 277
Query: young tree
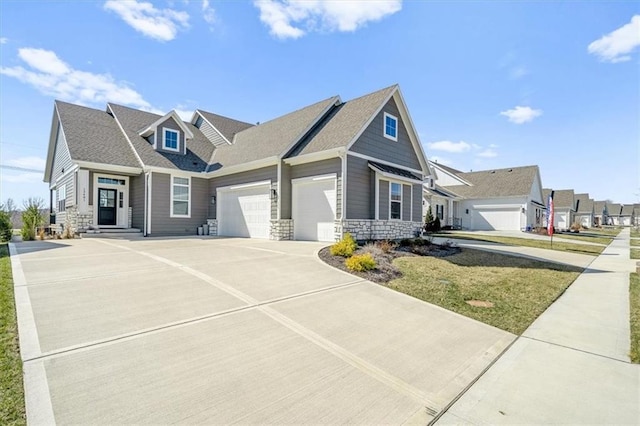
pixel 31 217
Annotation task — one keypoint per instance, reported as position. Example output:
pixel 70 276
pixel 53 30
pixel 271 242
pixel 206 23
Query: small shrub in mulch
pixel 383 253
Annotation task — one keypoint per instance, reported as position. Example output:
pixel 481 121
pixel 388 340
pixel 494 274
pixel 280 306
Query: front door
pixel 107 210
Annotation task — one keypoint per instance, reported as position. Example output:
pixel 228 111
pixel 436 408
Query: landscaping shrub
pixel 361 262
pixel 5 226
pixel 576 227
pixel 386 246
pixel 31 218
pixel 345 247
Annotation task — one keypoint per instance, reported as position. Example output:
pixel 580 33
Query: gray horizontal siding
pixel 383 193
pixel 70 198
pixel 161 222
pixel 406 202
pixel 136 201
pixel 170 123
pixel 265 173
pixel 210 132
pixel 417 203
pixel 373 143
pixel 360 189
pixel 324 167
pixel 61 157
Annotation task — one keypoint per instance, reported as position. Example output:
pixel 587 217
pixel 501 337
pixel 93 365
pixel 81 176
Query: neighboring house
pixel 599 213
pixel 613 214
pixel 584 210
pixel 501 199
pixel 313 174
pixel 564 208
pixel 444 203
pixel 636 215
pixel 627 215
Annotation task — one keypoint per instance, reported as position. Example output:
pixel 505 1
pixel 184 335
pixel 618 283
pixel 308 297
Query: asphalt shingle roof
pixel 583 203
pixel 394 170
pixel 344 123
pixel 627 210
pixel 225 125
pixel 92 135
pixel 270 138
pixel 599 206
pixel 510 182
pixel 564 199
pixel 199 149
pixel 614 209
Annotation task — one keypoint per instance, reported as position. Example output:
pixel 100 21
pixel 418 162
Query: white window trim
pixel 164 139
pixel 384 126
pixel 401 199
pixel 171 214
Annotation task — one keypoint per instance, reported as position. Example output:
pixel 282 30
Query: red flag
pixel 550 215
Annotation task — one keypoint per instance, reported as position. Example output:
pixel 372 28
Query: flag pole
pixel 550 217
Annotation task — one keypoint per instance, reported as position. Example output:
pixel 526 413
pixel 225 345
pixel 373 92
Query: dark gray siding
pixel 360 189
pixel 136 200
pixel 265 173
pixel 417 203
pixel 373 143
pixel 170 123
pixel 383 194
pixel 91 188
pixel 209 132
pixel 324 167
pixel 285 192
pixel 406 202
pixel 161 222
pixel 61 157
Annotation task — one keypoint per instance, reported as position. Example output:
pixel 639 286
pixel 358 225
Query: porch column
pixel 450 212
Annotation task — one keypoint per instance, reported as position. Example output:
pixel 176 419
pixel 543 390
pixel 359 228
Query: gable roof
pixel 599 206
pixel 271 138
pixel 583 203
pixel 508 182
pixel 627 210
pixel 199 148
pixel 456 174
pixel 613 209
pixel 564 199
pixel 153 127
pixel 227 127
pixel 93 136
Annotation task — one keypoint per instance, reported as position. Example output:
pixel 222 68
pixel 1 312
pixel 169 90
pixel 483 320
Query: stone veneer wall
pixel 281 229
pixel 213 226
pixel 76 221
pixel 363 230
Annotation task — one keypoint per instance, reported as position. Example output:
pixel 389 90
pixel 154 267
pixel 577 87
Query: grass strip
pixel 528 242
pixel 634 318
pixel 520 289
pixel 587 237
pixel 12 410
pixel 634 253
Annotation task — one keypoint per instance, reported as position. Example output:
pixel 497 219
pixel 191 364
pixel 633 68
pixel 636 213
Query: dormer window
pixel 390 127
pixel 170 139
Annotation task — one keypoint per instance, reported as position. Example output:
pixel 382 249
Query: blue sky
pixel 488 84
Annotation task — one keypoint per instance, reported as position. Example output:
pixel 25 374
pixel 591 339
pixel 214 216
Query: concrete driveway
pixel 192 330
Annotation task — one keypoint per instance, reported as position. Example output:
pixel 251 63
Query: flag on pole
pixel 550 215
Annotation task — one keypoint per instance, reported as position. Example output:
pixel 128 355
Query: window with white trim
pixel 170 139
pixel 62 197
pixel 180 197
pixel 395 201
pixel 390 127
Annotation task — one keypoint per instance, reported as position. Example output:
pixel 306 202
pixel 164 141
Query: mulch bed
pixel 386 271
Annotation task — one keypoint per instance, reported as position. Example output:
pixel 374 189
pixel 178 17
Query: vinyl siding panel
pixel 170 123
pixel 406 202
pixel 70 198
pixel 383 191
pixel 373 143
pixel 210 133
pixel 360 189
pixel 136 201
pixel 161 222
pixel 324 167
pixel 284 196
pixel 61 157
pixel 265 173
pixel 417 203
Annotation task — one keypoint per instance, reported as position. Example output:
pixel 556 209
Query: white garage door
pixel 244 210
pixel 314 208
pixel 561 221
pixel 499 219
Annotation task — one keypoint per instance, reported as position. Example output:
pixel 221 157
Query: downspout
pixel 146 203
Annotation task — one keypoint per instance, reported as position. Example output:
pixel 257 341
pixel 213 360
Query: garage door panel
pixel 314 209
pixel 244 212
pixel 496 219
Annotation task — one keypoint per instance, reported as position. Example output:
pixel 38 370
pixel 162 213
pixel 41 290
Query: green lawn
pixel 12 410
pixel 520 288
pixel 635 233
pixel 612 232
pixel 634 305
pixel 635 242
pixel 527 242
pixel 587 237
pixel 635 253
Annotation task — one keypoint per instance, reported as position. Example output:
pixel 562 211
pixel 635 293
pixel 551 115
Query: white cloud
pixel 52 76
pixel 35 163
pixel 521 114
pixel 449 146
pixel 488 153
pixel 159 24
pixel 294 18
pixel 185 114
pixel 4 40
pixel 208 13
pixel 616 46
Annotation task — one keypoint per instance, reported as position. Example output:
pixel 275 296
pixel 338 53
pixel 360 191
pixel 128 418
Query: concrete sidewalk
pixel 571 365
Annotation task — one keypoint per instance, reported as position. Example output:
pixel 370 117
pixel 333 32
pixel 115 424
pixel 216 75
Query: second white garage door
pixel 499 219
pixel 313 208
pixel 244 210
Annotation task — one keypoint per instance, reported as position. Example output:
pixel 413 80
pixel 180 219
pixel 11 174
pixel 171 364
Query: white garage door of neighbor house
pixel 244 211
pixel 314 208
pixel 561 220
pixel 499 219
